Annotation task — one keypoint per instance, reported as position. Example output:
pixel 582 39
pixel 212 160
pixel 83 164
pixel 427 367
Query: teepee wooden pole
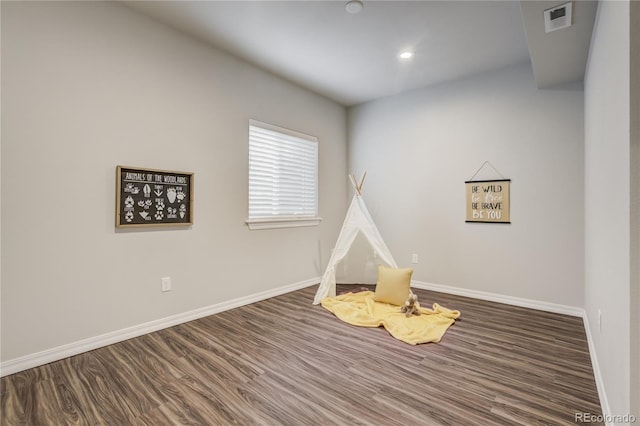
pixel 362 182
pixel 354 183
pixel 357 185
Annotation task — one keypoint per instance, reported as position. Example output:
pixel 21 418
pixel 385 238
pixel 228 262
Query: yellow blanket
pixel 360 309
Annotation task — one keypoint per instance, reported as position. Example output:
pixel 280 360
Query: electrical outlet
pixel 414 258
pixel 166 283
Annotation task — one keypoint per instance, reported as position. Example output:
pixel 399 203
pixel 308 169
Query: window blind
pixel 283 173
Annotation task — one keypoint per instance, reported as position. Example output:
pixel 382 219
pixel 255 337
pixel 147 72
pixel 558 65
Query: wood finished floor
pixel 283 361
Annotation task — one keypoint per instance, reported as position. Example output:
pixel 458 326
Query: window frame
pixel 281 220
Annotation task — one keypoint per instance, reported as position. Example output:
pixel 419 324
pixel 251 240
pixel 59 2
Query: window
pixel 283 177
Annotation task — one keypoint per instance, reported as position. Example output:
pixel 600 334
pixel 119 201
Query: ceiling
pixel 353 58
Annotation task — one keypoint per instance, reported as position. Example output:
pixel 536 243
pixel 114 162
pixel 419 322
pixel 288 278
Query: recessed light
pixel 354 6
pixel 406 54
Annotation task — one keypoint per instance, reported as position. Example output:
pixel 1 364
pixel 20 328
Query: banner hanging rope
pixel 481 167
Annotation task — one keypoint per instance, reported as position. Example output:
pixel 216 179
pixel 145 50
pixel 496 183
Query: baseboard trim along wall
pixel 602 394
pixel 75 348
pixel 508 300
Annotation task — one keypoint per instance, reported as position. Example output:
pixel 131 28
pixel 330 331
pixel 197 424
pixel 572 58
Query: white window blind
pixel 283 177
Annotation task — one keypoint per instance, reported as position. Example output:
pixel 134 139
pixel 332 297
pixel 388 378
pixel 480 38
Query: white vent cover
pixel 557 17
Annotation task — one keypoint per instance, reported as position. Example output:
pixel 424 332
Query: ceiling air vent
pixel 557 17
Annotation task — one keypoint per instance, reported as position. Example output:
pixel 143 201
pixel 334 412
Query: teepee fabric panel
pixel 358 220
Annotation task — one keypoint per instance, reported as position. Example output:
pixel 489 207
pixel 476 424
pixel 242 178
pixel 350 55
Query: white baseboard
pixel 602 394
pixel 509 300
pixel 55 354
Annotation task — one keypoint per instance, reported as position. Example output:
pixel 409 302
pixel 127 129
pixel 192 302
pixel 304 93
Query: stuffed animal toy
pixel 411 306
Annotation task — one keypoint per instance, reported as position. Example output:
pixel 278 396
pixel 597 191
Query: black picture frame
pixel 153 197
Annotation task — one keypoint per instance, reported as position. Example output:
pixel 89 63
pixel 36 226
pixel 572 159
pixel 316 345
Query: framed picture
pixel 150 197
pixel 488 201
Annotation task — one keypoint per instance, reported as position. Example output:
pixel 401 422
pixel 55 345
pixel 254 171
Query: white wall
pixel 607 200
pixel 418 150
pixel 634 34
pixel 90 85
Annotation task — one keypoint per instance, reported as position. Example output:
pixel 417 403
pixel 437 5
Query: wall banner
pixel 488 201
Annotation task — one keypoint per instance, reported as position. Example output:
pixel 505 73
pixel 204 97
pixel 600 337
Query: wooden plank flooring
pixel 283 361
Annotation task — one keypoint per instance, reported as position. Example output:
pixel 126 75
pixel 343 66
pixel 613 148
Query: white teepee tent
pixel 358 220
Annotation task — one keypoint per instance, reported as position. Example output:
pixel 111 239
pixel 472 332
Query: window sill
pixel 282 222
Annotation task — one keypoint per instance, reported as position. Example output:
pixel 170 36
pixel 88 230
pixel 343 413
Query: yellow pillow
pixel 393 285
